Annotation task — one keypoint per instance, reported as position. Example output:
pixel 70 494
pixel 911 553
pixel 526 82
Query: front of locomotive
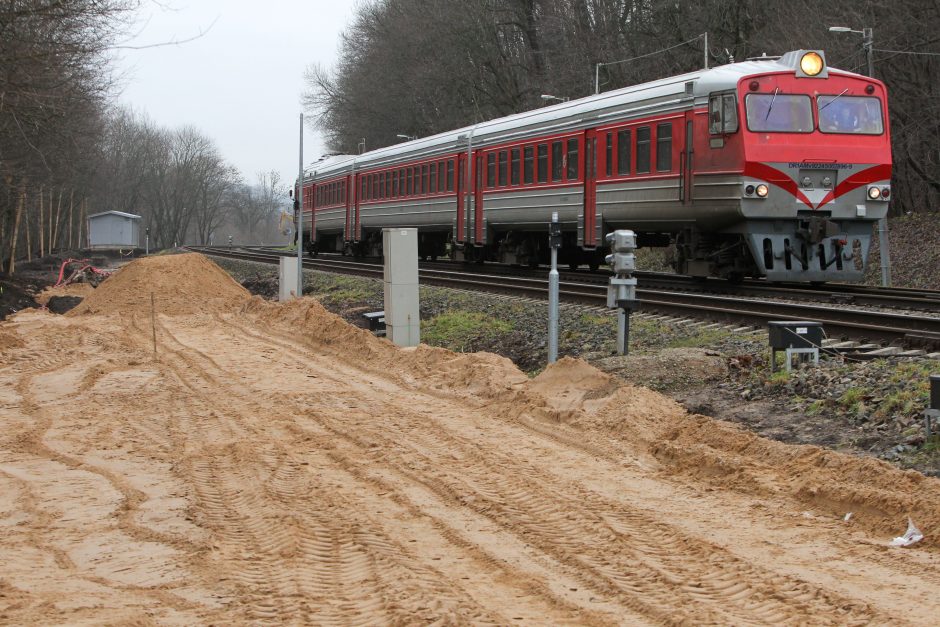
pixel 817 168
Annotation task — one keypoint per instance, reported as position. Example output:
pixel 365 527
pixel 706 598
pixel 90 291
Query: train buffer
pixel 376 320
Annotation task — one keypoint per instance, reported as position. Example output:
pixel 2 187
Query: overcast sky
pixel 240 83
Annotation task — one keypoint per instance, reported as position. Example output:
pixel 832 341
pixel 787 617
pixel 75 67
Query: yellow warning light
pixel 812 63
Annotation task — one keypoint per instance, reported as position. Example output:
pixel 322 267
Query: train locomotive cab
pixel 815 154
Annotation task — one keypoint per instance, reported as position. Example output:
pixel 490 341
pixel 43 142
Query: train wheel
pixel 572 265
pixel 594 266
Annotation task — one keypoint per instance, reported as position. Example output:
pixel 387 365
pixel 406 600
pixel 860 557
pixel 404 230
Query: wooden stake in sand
pixel 153 321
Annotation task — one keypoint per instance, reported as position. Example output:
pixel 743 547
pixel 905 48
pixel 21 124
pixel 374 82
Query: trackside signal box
pixel 786 334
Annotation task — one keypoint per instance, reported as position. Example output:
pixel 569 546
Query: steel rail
pixel 872 326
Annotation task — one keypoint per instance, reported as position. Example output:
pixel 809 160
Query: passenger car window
pixel 528 165
pixel 664 147
pixel 623 151
pixel 643 149
pixel 543 163
pixel 558 163
pixel 573 159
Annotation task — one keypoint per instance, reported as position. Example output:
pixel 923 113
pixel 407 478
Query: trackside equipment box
pixel 786 334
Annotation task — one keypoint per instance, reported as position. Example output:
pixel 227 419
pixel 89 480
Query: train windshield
pixel 859 115
pixel 779 113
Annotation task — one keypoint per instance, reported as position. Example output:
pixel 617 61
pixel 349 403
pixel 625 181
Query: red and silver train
pixel 774 167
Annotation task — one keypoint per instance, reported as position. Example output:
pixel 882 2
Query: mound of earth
pixel 727 456
pixel 668 368
pixel 9 339
pixel 475 374
pixel 180 284
pixel 77 290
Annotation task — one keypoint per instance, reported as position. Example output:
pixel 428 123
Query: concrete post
pixel 402 314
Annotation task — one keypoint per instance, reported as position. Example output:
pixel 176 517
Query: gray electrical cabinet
pixel 113 229
pixel 402 317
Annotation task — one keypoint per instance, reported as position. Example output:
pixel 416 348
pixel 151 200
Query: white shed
pixel 113 229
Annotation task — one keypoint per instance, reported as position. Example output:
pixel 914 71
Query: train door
pixel 357 216
pixel 687 160
pixel 460 233
pixel 310 201
pixel 350 194
pixel 478 201
pixel 351 202
pixel 589 223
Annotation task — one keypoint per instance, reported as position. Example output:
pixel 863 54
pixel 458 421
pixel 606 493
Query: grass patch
pixel 342 290
pixel 462 330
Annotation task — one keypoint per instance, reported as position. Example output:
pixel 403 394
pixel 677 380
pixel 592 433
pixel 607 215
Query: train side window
pixel 664 147
pixel 503 167
pixel 643 149
pixel 558 160
pixel 424 179
pixel 609 154
pixel 433 188
pixel 528 159
pixel 514 166
pixel 722 114
pixel 388 184
pixel 382 193
pixel 573 159
pixel 450 175
pixel 624 151
pixel 417 176
pixel 543 163
pixel 408 182
pixel 491 169
pixel 394 183
pixel 375 187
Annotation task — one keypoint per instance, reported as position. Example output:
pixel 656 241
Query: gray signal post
pixel 621 293
pixel 554 241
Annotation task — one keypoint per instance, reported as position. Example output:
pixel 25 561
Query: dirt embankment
pixel 272 464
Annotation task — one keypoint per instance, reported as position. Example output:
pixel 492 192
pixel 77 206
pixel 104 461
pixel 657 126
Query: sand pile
pixel 9 339
pixel 181 284
pixel 826 482
pixel 484 375
pixel 80 290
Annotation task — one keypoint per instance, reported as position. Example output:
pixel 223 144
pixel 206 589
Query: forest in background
pixel 420 67
pixel 67 151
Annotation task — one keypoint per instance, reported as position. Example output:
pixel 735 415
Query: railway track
pixel 910 330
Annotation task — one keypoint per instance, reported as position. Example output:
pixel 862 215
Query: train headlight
pixel 762 190
pixel 885 193
pixel 748 190
pixel 812 63
pixel 807 182
pixel 827 182
pixel 874 193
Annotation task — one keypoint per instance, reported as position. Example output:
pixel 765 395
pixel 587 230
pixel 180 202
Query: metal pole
pixel 706 49
pixel 300 214
pixel 883 245
pixel 597 78
pixel 553 300
pixel 621 331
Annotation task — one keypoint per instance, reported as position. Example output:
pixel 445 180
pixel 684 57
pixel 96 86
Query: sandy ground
pixel 271 464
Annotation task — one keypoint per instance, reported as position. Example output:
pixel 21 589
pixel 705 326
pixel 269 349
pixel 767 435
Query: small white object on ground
pixel 847 517
pixel 912 536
